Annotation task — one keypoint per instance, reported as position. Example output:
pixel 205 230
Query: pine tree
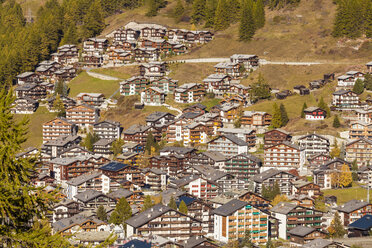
pixel 59 106
pixel 183 208
pixel 233 11
pixel 276 121
pixel 260 89
pixel 211 6
pixel 336 122
pixel 147 203
pixel 368 81
pixel 89 140
pixel 153 8
pixel 368 18
pixel 346 176
pixel 259 14
pixel 247 240
pixel 101 213
pixel 221 19
pixel 324 106
pixel 275 190
pixel 150 142
pixel 122 212
pixel 247 25
pixel 283 115
pixel 172 203
pixel 336 229
pixel 348 22
pixel 358 87
pixel 178 11
pixel 198 11
pixel 303 110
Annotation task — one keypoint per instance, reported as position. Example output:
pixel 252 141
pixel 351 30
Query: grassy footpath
pixel 35 129
pixel 85 83
pixel 122 72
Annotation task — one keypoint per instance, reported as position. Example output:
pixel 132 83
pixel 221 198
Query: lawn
pixel 35 128
pixel 122 72
pixel 85 83
pixel 347 194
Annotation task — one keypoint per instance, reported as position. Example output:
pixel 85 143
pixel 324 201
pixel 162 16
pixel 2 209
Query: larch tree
pixel 198 11
pixel 324 106
pixel 336 122
pixel 354 169
pixel 101 213
pixel 276 121
pixel 358 87
pixel 247 27
pixel 24 214
pixel 222 16
pixel 172 203
pixel 179 10
pixel 116 147
pixel 211 6
pixel 337 229
pixel 259 14
pixel 147 203
pixel 94 21
pixel 122 212
pixel 183 207
pixel 346 177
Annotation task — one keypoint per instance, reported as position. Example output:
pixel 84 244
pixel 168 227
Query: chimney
pixel 160 209
pixel 149 216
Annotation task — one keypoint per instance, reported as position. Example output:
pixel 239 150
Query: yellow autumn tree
pixel 279 198
pixel 335 180
pixel 346 177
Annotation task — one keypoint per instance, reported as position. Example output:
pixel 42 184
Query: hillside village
pixel 205 168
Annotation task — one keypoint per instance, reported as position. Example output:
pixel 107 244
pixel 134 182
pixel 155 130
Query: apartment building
pixel 228 145
pixel 229 68
pixel 119 171
pixel 314 144
pixel 276 136
pixel 166 84
pixel 164 221
pixel 270 177
pixel 256 119
pixel 249 61
pixel 359 150
pixel 284 156
pixel 323 173
pixel 243 166
pixel 247 135
pixel 229 112
pixel 91 99
pixel 54 148
pixel 345 100
pixel 217 84
pixel 107 129
pixel 189 93
pixel 82 115
pixel 353 210
pixel 157 179
pixel 159 119
pixel 172 164
pixel 153 96
pixel 103 147
pixel 364 115
pixel 32 90
pixel 58 127
pixel 24 105
pixel 153 70
pixel 133 86
pixel 197 186
pixel 234 218
pixel 91 200
pixel 291 215
pixel 360 130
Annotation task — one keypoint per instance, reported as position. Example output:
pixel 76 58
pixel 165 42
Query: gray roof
pixel 130 145
pixel 235 130
pixel 214 155
pixel 120 193
pixel 234 139
pixel 107 123
pixel 83 178
pixel 311 109
pixel 301 231
pixel 168 193
pixel 341 92
pixel 209 173
pixel 148 215
pixel 88 195
pixel 248 156
pixel 176 149
pixel 62 140
pixel 314 134
pixel 155 116
pixel 74 220
pixel 280 130
pixel 259 178
pixel 136 128
pixel 300 183
pixel 351 206
pixel 318 243
pixel 184 180
pixel 230 207
pixel 283 207
pixel 25 74
pixel 103 142
pixel 194 241
pixel 290 144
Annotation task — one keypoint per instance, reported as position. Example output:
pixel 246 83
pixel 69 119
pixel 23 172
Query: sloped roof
pixel 283 207
pixel 364 223
pixel 351 206
pixel 230 207
pixel 301 231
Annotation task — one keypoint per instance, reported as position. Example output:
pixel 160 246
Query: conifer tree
pixel 368 18
pixel 178 11
pixel 354 168
pixel 324 106
pixel 211 6
pixel 59 106
pixel 24 222
pixel 247 23
pixel 122 212
pixel 348 20
pixel 276 121
pixel 172 203
pixel 70 36
pixel 150 142
pixel 153 8
pixel 303 110
pixel 198 11
pixel 183 208
pixel 336 122
pixel 116 147
pixel 259 14
pixel 336 229
pixel 275 190
pixel 283 115
pixel 233 11
pixel 147 203
pixel 358 87
pixel 222 16
pixel 94 21
pixel 89 140
pixel 101 213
